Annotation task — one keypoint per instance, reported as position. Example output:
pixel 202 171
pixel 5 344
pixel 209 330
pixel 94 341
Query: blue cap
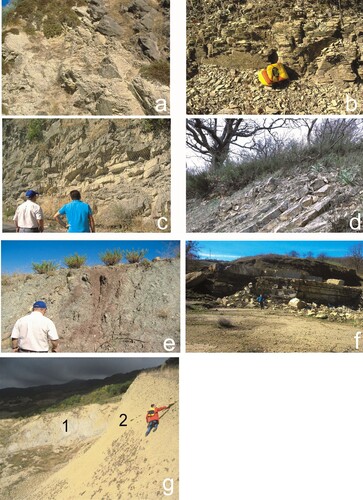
pixel 30 193
pixel 39 305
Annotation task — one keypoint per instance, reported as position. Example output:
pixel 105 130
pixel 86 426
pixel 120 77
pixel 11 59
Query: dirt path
pixel 266 331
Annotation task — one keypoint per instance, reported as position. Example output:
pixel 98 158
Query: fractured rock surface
pixel 318 199
pixel 91 69
pixel 228 42
pixel 121 169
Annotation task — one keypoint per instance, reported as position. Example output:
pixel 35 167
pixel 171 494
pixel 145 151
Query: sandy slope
pixel 122 463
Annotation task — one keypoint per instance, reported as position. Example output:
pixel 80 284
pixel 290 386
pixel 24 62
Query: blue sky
pixel 5 2
pixel 230 250
pixel 17 256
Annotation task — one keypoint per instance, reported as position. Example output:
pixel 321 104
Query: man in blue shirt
pixel 78 214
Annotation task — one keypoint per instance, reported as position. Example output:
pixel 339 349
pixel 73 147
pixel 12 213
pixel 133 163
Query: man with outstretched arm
pixel 152 417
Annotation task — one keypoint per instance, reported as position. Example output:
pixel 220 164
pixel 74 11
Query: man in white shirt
pixel 29 217
pixel 31 332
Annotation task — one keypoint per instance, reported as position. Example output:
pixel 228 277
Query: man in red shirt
pixel 152 417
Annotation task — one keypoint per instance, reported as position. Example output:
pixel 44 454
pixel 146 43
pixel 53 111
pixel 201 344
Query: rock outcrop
pixel 123 308
pixel 315 199
pixel 93 67
pixel 321 46
pixel 279 278
pixel 121 167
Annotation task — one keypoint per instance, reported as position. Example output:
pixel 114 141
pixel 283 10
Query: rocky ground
pixel 94 68
pixel 228 42
pixel 121 167
pixel 40 462
pixel 269 330
pixel 124 308
pixel 305 200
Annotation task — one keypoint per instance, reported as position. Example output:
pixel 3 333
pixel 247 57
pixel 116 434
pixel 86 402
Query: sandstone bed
pixel 121 167
pixel 305 200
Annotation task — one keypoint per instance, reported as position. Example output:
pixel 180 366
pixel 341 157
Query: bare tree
pixel 355 256
pixel 293 253
pixel 322 256
pixel 336 133
pixel 192 249
pixel 212 138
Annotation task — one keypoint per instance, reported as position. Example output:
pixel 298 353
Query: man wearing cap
pixel 31 332
pixel 79 215
pixel 28 216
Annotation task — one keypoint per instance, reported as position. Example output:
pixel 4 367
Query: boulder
pixel 335 282
pixel 297 303
pixel 194 279
pixel 109 27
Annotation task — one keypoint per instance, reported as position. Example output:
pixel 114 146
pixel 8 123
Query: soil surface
pixel 265 331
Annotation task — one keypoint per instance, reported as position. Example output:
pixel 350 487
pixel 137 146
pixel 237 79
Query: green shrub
pixel 134 256
pixel 52 28
pixel 35 129
pixel 45 267
pixel 157 126
pixel 158 71
pixel 49 16
pixel 75 261
pixel 111 257
pixel 199 184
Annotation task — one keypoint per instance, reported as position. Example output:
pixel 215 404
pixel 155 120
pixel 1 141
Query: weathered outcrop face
pixel 121 167
pixel 280 278
pixel 320 45
pixel 123 308
pixel 92 58
pixel 300 200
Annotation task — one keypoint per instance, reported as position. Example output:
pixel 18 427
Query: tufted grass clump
pixel 75 261
pixel 111 257
pixel 157 71
pixel 135 256
pixel 45 267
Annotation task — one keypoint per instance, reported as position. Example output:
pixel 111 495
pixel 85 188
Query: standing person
pixel 28 216
pixel 31 332
pixel 79 215
pixel 152 418
pixel 261 300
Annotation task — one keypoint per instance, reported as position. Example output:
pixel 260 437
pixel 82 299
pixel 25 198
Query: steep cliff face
pixel 123 308
pixel 98 57
pixel 320 42
pixel 121 167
